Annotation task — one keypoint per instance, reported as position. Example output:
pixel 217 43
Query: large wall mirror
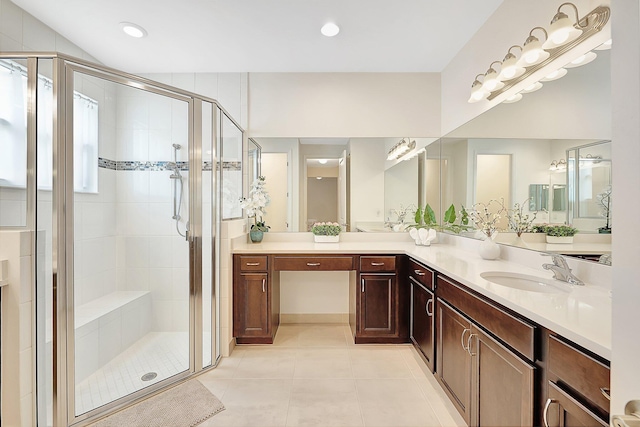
pixel 550 151
pixel 347 180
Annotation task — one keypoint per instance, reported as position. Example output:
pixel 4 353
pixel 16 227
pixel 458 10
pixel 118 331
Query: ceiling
pixel 268 35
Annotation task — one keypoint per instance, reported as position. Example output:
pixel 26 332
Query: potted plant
pixel 560 233
pixel 326 232
pixel 254 205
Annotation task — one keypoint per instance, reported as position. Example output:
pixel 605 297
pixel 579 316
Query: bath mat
pixel 186 405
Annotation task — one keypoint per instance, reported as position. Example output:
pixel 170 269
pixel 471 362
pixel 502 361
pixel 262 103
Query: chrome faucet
pixel 561 270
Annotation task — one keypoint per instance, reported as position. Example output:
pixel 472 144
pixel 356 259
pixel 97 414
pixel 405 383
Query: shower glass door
pixel 130 326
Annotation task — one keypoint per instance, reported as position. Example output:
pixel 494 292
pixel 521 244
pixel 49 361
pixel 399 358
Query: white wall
pixel 344 104
pixel 625 374
pixel 367 181
pixel 508 26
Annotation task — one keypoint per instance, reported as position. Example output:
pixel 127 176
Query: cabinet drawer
pixel 579 372
pixel 377 263
pixel 421 274
pixel 313 263
pixel 572 412
pixel 510 329
pixel 253 263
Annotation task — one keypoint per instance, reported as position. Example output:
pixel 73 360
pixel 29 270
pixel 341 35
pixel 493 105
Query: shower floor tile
pixel 165 353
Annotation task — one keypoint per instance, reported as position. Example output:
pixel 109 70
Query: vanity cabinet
pixel 255 318
pixel 380 303
pixel 422 311
pixel 577 387
pixel 454 361
pixel 488 381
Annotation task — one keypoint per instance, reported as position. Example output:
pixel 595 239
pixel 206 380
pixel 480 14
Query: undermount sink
pixel 523 282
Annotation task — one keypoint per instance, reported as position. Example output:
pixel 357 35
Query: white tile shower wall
pixel 17 329
pixel 151 255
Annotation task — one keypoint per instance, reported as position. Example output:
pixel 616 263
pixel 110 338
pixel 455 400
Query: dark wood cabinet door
pixel 563 410
pixel 453 359
pixel 503 384
pixel 377 304
pixel 422 320
pixel 251 305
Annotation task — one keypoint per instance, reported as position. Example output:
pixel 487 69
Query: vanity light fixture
pixel 562 36
pixel 510 68
pixel 558 165
pixel 562 30
pixel 478 93
pixel 401 148
pixel 532 51
pixel 555 75
pixel 513 98
pixel 491 81
pixel 604 46
pixel 330 29
pixel 582 60
pixel 133 30
pixel 532 88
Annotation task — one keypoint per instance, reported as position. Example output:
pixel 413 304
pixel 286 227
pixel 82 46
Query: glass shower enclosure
pixel 119 177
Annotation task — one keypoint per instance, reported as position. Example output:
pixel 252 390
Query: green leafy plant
pixel 326 229
pixel 424 218
pixel 539 228
pixel 560 230
pixel 261 226
pixel 450 217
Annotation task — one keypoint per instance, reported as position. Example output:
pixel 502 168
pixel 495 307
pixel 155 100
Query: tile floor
pixel 314 375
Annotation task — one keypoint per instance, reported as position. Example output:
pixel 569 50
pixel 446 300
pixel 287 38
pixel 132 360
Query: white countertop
pixel 582 315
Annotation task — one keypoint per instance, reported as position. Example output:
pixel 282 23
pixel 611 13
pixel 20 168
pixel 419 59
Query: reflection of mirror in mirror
pixel 538 197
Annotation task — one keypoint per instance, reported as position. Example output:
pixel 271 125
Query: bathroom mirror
pixel 539 142
pixel 356 168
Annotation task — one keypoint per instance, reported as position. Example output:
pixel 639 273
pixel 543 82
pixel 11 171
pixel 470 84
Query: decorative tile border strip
pixel 125 165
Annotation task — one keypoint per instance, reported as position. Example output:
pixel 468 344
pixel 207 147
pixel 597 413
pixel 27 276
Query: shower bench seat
pixel 106 326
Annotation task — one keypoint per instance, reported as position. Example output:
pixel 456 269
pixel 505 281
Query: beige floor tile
pixel 398 414
pixel 324 403
pixel 217 386
pixel 389 391
pixel 254 402
pixel 267 363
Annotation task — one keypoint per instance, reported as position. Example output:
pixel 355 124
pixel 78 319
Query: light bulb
pixel 329 29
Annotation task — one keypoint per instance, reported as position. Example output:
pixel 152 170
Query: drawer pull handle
pixel 606 392
pixel 264 285
pixel 545 413
pixel 429 313
pixel 377 264
pixel 419 272
pixel 253 264
pixel 469 345
pixel 362 286
pixel 462 338
pixel 313 264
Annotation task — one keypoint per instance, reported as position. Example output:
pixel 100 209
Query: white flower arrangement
pixel 255 203
pixel 518 220
pixel 486 220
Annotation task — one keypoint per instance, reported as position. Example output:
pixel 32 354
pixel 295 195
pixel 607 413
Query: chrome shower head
pixel 177 146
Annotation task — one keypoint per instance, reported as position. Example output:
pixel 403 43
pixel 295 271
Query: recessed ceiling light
pixel 322 161
pixel 329 29
pixel 133 30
